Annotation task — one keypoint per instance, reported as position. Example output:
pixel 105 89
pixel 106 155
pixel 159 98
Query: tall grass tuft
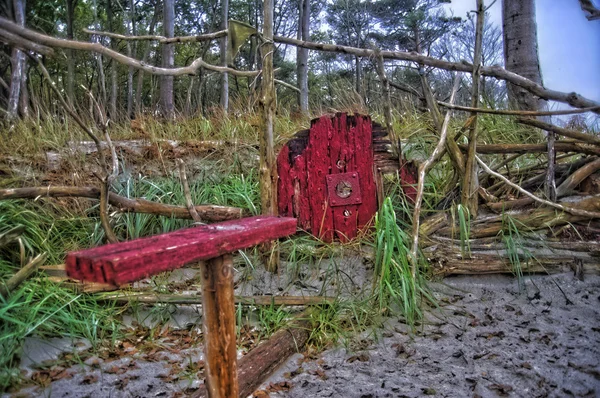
pixel 512 238
pixel 395 283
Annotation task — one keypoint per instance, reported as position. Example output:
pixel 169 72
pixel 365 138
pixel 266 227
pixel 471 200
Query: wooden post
pixel 268 171
pixel 219 327
pixel 470 187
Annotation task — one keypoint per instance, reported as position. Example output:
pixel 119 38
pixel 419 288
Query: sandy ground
pixel 489 338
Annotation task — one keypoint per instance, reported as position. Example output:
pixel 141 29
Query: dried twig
pixel 207 212
pixel 160 39
pixel 567 209
pixel 518 113
pixel 576 135
pixel 72 112
pixel 22 275
pixel 98 48
pixel 423 169
pixel 104 219
pixel 186 192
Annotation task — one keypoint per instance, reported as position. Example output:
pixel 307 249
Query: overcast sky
pixel 568 44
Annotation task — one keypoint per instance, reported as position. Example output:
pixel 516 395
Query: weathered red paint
pixel 125 262
pixel 334 145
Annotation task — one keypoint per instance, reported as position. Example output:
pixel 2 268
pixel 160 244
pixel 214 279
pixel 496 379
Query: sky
pixel 568 44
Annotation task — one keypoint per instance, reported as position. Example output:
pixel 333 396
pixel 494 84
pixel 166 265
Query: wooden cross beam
pixel 125 262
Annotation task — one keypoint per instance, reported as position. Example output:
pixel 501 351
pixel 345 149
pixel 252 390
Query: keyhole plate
pixel 343 189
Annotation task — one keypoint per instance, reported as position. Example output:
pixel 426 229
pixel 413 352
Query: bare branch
pixel 24 44
pixel 423 169
pixel 191 69
pixel 515 112
pixel 588 7
pixel 71 112
pixel 186 192
pixel 573 99
pixel 567 209
pixel 284 84
pixel 160 39
pixel 561 131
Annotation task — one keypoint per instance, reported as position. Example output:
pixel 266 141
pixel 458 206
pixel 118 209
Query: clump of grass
pixel 395 283
pixel 40 307
pixel 512 238
pixel 464 226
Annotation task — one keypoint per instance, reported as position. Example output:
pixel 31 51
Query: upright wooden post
pixel 268 171
pixel 221 376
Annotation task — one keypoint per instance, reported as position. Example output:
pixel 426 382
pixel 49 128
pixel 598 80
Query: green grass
pixel 39 307
pixel 394 283
pixel 512 238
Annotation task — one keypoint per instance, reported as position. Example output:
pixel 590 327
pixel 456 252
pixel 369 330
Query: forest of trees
pixel 324 80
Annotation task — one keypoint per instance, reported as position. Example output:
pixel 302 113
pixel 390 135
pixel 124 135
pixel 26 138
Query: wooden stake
pixel 268 170
pixel 220 349
pixel 469 197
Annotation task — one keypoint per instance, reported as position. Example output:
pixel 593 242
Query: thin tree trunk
pixel 71 4
pixel 302 54
pixel 113 64
pixel 131 51
pixel 19 63
pixel 140 79
pixel 101 78
pixel 268 171
pixel 224 41
pixel 168 61
pixel 469 197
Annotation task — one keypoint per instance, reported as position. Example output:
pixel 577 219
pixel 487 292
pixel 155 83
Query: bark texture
pixel 521 51
pixel 302 54
pixel 168 60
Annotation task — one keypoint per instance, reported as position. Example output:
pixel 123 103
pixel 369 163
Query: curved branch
pixel 573 99
pixel 207 212
pixel 566 209
pixel 160 39
pixel 191 69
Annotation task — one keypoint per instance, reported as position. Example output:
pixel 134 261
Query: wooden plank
pixel 218 324
pixel 342 157
pixel 364 167
pixel 317 168
pixel 126 262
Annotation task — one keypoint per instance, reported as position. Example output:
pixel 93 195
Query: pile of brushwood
pixel 518 228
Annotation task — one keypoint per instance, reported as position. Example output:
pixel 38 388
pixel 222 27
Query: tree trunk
pixel 71 4
pixel 521 51
pixel 168 60
pixel 131 49
pixel 112 111
pixel 302 55
pixel 140 79
pixel 224 41
pixel 19 62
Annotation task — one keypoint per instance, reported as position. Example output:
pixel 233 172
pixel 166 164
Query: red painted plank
pixel 364 166
pixel 301 193
pixel 343 160
pixel 126 262
pixel 317 167
pixel 285 194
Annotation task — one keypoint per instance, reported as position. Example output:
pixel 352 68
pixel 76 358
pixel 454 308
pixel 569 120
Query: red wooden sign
pixel 326 177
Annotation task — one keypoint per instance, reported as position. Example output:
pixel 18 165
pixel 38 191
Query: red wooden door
pixel 326 177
